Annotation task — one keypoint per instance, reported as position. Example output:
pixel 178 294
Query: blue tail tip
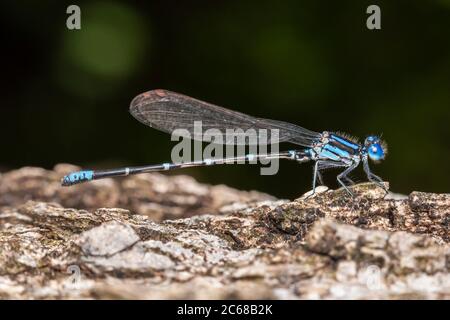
pixel 77 177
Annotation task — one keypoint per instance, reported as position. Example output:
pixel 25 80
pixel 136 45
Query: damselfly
pixel 168 111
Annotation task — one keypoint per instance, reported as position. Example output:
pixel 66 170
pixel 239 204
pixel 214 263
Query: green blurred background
pixel 65 94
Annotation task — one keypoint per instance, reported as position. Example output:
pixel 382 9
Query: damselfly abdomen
pixel 168 111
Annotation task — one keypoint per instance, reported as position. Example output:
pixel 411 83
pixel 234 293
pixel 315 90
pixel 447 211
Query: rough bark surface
pixel 181 239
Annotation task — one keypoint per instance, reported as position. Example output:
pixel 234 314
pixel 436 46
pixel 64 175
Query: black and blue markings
pixel 326 149
pixel 77 177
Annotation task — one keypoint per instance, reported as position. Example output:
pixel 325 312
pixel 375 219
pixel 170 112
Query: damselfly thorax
pixel 168 111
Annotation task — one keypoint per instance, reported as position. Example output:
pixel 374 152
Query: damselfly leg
pixel 373 177
pixel 350 181
pixel 324 164
pixel 344 174
pixel 316 173
pixel 191 118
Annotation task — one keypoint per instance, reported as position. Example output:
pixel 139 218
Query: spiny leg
pixel 372 177
pixel 349 180
pixel 321 165
pixel 315 173
pixel 319 176
pixel 344 174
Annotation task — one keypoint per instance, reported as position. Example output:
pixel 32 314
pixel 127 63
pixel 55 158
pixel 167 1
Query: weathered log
pixel 249 245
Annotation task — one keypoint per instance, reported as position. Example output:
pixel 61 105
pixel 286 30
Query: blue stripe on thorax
pixel 345 142
pixel 329 155
pixel 336 150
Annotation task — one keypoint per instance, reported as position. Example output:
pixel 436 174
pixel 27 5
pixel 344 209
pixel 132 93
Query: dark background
pixel 65 94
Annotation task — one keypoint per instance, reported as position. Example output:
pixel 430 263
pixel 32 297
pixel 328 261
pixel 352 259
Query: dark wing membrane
pixel 291 132
pixel 168 111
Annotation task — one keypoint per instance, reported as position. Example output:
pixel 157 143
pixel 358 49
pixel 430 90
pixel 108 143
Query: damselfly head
pixel 376 148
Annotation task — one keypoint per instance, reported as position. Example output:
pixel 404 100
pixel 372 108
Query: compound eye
pixel 376 152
